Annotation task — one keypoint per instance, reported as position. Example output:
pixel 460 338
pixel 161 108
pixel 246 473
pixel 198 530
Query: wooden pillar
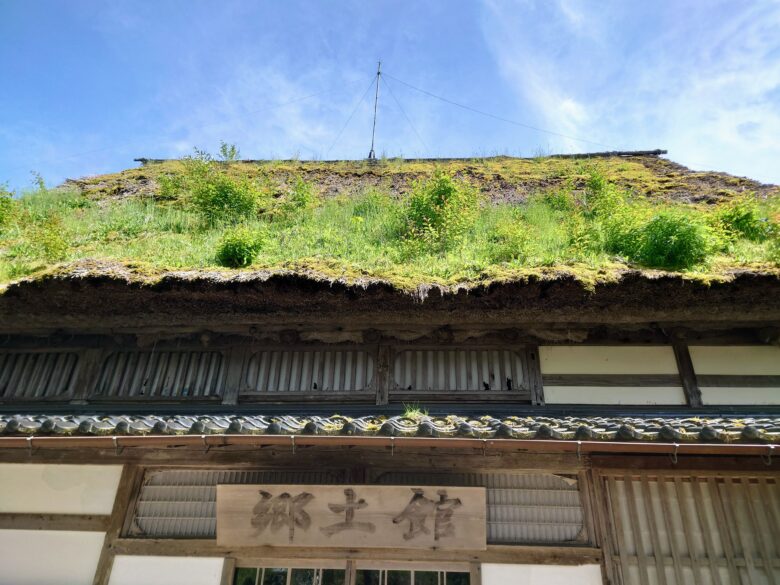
pixel 687 374
pixel 129 484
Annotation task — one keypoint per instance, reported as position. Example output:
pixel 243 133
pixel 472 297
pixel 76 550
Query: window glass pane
pixel 302 577
pixel 245 576
pixel 333 577
pixel 426 578
pixel 399 578
pixel 458 579
pixel 274 576
pixel 367 577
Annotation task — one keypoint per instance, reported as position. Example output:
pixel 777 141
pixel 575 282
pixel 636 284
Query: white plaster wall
pixel 46 557
pixel 58 489
pixel 720 395
pixel 584 359
pixel 133 570
pixel 634 395
pixel 541 575
pixel 749 360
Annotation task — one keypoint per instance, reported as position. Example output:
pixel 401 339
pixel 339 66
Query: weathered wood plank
pixel 272 457
pixel 78 522
pixel 740 381
pixel 247 556
pixel 612 380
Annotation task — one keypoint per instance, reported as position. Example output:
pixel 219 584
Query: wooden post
pixel 687 374
pixel 87 374
pixel 383 377
pixel 535 375
pixel 129 484
pixel 475 574
pixel 228 571
pixel 235 359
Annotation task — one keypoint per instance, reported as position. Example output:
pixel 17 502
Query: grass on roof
pixel 591 219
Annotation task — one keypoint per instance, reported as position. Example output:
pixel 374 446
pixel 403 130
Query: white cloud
pixel 704 84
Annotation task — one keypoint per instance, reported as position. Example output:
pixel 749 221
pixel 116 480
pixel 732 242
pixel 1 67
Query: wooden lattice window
pixel 675 530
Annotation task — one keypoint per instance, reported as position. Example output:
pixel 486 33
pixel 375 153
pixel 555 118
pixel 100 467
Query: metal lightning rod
pixel 371 154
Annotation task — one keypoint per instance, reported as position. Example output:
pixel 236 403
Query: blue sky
pixel 89 85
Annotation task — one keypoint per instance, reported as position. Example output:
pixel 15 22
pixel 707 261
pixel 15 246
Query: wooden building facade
pixel 290 432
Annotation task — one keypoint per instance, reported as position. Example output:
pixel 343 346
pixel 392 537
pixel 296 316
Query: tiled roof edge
pixel 720 430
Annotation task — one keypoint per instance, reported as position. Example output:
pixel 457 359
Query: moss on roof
pixel 130 220
pixel 500 178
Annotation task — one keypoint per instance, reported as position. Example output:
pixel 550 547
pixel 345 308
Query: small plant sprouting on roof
pixel 228 152
pixel 414 411
pixel 239 247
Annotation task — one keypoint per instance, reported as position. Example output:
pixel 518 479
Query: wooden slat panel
pixel 723 529
pixel 734 514
pixel 686 523
pixel 670 531
pixel 709 546
pixel 618 527
pixel 729 517
pixel 317 372
pixel 461 370
pixel 36 375
pixel 651 520
pixel 633 516
pixel 154 375
pixel 758 533
pixel 771 503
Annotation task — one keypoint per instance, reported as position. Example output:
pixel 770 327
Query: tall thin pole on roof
pixel 371 154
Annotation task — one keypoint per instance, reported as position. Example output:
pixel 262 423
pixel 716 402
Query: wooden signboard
pixel 351 516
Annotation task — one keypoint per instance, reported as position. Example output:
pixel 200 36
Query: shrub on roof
pixel 208 188
pixel 509 240
pixel 742 218
pixel 48 239
pixel 439 211
pixel 239 247
pixel 673 240
pixel 617 219
pixel 7 206
pixel 561 200
pixel 584 238
pixel 299 197
pixel 220 198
